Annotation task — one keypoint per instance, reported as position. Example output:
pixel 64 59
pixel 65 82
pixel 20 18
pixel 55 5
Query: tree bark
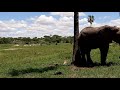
pixel 75 44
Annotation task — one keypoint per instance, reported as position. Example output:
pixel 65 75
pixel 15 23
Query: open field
pixel 53 61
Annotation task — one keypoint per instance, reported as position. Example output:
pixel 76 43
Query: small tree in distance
pixel 91 19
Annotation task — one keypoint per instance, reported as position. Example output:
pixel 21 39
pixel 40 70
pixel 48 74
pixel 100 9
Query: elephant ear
pixel 107 32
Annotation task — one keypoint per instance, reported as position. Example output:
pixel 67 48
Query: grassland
pixel 47 61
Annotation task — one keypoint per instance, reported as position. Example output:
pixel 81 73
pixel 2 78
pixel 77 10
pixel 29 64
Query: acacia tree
pixel 75 58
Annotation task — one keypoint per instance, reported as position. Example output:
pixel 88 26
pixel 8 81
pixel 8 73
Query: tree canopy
pixel 52 39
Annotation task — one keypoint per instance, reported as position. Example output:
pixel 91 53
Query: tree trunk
pixel 75 58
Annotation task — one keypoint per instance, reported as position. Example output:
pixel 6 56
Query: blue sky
pixel 24 15
pixel 38 24
pixel 20 15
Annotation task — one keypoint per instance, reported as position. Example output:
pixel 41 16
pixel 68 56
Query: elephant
pixel 96 37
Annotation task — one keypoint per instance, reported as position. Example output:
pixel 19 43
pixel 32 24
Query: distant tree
pixel 19 38
pixel 70 39
pixel 10 40
pixel 1 41
pixel 43 40
pixel 26 40
pixel 5 40
pixel 56 39
pixel 91 19
pixel 35 40
pixel 47 39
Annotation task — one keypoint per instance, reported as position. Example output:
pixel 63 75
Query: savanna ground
pixel 53 61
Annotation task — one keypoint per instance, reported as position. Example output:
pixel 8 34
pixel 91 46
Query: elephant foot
pixel 76 63
pixel 79 63
pixel 83 63
pixel 90 65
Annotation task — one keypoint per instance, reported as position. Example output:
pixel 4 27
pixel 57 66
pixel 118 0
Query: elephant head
pixel 117 36
pixel 110 33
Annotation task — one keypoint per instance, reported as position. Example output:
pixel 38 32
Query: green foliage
pixel 6 40
pixel 45 40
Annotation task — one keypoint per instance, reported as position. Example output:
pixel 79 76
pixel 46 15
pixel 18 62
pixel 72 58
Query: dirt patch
pixel 73 75
pixel 17 45
pixel 74 68
pixel 12 49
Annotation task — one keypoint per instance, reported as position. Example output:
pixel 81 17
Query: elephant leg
pixel 89 60
pixel 104 51
pixel 83 59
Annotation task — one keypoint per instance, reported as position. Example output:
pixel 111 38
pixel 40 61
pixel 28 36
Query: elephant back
pixel 89 32
pixel 88 36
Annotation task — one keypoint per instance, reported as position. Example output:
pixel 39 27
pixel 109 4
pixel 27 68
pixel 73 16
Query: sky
pixel 39 24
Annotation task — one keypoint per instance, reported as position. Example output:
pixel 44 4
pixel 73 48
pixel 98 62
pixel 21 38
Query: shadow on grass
pixel 107 64
pixel 15 72
pixel 98 64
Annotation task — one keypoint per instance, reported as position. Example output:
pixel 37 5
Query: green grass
pixel 47 60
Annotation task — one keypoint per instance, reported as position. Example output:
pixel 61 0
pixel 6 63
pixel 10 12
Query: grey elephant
pixel 96 37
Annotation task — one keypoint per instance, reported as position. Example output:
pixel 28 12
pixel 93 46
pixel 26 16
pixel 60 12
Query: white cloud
pixel 65 21
pixel 62 14
pixel 11 25
pixel 38 26
pixel 82 21
pixel 67 14
pixel 50 25
pixel 45 20
pixel 82 14
pixel 115 22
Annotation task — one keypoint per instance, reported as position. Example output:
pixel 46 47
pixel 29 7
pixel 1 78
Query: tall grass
pixel 47 62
